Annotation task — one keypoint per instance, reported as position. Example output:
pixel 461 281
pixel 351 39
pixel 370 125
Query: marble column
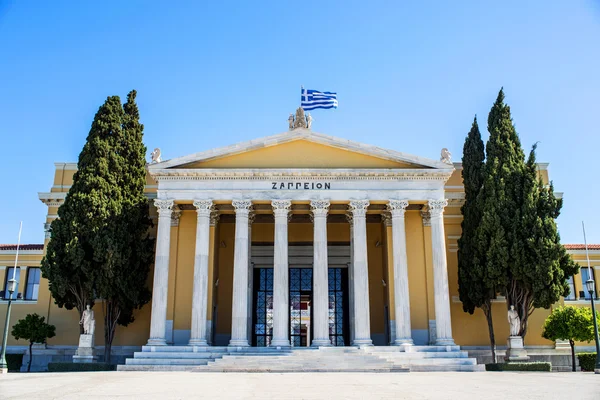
pixel 200 283
pixel 362 325
pixel 320 274
pixel 401 295
pixel 443 323
pixel 212 276
pixel 281 209
pixel 251 217
pixel 160 286
pixel 239 313
pixel 351 277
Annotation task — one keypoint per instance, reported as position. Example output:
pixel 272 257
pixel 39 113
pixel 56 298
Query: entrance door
pixel 262 319
pixel 300 306
pixel 300 302
pixel 339 321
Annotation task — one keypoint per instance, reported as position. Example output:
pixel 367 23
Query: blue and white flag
pixel 312 99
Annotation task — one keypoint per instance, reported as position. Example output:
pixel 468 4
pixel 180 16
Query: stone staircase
pixel 324 359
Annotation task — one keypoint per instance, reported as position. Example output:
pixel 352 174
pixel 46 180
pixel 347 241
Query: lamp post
pixel 590 287
pixel 11 286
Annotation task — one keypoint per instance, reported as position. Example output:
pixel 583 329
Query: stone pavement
pixel 190 385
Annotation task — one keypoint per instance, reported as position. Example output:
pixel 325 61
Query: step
pixel 400 356
pixel 165 361
pixel 447 368
pixel 401 349
pixel 184 349
pixel 441 361
pixel 161 355
pixel 155 368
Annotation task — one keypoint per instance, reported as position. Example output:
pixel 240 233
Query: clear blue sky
pixel 409 77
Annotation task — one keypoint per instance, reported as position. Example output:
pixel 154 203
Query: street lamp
pixel 590 287
pixel 11 286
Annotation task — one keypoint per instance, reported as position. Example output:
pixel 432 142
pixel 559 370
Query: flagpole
pixel 587 254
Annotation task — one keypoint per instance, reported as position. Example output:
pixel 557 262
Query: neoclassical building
pixel 295 239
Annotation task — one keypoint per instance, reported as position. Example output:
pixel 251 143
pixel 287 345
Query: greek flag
pixel 312 99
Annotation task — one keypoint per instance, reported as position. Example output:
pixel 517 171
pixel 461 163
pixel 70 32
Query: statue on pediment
pixel 309 120
pixel 155 156
pixel 300 120
pixel 446 156
pixel 291 121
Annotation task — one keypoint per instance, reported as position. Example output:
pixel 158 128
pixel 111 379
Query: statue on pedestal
pixel 309 120
pixel 155 156
pixel 87 321
pixel 514 321
pixel 291 121
pixel 446 156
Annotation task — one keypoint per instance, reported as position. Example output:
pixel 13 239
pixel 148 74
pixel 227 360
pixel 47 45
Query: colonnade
pixel 357 211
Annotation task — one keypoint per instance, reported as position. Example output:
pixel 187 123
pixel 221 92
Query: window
pixel 33 283
pixel 585 276
pixel 8 276
pixel 571 295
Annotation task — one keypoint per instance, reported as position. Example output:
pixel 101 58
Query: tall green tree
pixel 35 329
pixel 539 279
pixel 523 254
pixel 122 281
pixel 572 324
pixel 475 288
pixel 72 258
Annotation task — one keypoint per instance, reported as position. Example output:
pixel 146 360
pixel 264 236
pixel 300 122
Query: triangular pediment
pixel 300 148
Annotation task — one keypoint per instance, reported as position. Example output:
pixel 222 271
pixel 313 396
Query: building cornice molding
pixel 301 174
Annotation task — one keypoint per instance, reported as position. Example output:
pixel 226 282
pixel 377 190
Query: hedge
pixel 14 362
pixel 80 367
pixel 520 366
pixel 587 361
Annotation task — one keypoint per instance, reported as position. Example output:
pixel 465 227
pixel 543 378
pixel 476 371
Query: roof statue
pixel 309 120
pixel 155 156
pixel 291 121
pixel 300 120
pixel 446 156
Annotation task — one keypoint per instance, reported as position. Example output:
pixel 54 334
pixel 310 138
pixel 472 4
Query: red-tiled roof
pixel 582 246
pixel 22 247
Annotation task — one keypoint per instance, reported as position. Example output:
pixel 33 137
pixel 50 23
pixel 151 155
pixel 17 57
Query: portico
pixel 373 185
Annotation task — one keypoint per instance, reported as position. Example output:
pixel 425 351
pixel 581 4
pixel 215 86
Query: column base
pixel 320 343
pixel 403 341
pixel 156 342
pixel 280 343
pixel 444 342
pixel 198 342
pixel 362 342
pixel 238 343
pixel 3 370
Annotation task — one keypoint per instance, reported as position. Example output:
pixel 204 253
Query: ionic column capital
pixel 281 207
pixel 242 207
pixel 319 208
pixel 358 208
pixel 164 207
pixel 203 207
pixel 397 207
pixel 436 207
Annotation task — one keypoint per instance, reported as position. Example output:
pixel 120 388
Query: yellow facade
pixel 468 330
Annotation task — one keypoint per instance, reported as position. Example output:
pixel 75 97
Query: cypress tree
pixel 123 279
pixel 72 260
pixel 540 276
pixel 474 288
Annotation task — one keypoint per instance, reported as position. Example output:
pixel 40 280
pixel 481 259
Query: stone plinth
pixel 85 352
pixel 515 350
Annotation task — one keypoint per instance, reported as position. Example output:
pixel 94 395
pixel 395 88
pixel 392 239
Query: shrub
pixel 80 367
pixel 520 366
pixel 587 361
pixel 14 362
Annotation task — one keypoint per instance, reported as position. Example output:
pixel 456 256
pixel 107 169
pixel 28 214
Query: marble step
pixel 157 355
pixel 166 361
pixel 399 356
pixel 184 349
pixel 447 368
pixel 401 349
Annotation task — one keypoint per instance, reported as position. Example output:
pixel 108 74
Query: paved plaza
pixel 190 385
